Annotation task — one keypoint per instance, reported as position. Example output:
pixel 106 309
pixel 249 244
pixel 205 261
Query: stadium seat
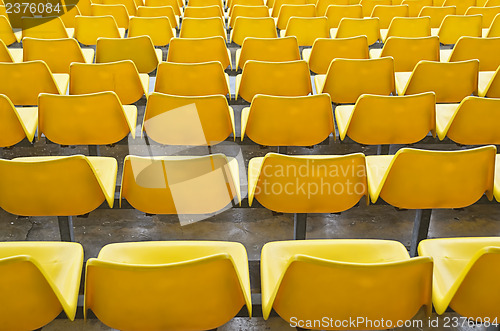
pixel 256 27
pixel 45 28
pixel 325 50
pixel 170 184
pixel 465 274
pixel 322 6
pixel 462 5
pixel 368 5
pixel 273 78
pixel 22 82
pixel 288 121
pixel 202 28
pixel 288 11
pixel 353 27
pixel 489 84
pixel 56 185
pixel 306 29
pixel 276 7
pixel 129 4
pixel 155 12
pixel 379 120
pixel 249 3
pixel 69 12
pixel 415 6
pixel 494 30
pixel 456 26
pixel 139 50
pixel 451 81
pixel 7 34
pixel 468 48
pixel 193 121
pixel 190 79
pixel 306 280
pixel 268 49
pixel 407 52
pixel 39 280
pixel 488 13
pixel 386 14
pixel 247 11
pixel 195 50
pixel 335 13
pixel 347 79
pixel 120 77
pixel 86 119
pixel 16 123
pixel 437 14
pixel 160 285
pixel 472 122
pixel 10 54
pixel 205 3
pixel 157 28
pixel 89 28
pixel 118 12
pixel 83 6
pixel 203 12
pixel 408 27
pixel 58 54
pixel 175 4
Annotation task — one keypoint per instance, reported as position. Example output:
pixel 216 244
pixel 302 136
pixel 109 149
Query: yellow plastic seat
pixel 247 11
pixel 415 6
pixel 10 55
pixel 273 78
pixel 288 121
pixel 170 184
pixel 308 279
pixel 156 285
pixel 378 120
pixel 457 180
pixel 176 6
pixel 56 185
pixel 120 77
pixel 369 5
pixel 465 274
pixel 256 27
pixel 408 27
pixel 437 14
pixel 203 12
pixel 347 79
pixel 16 123
pixel 451 81
pixel 407 52
pixel 489 84
pixel 139 50
pixel 456 26
pixel 202 28
pixel 22 82
pixel 462 5
pixel 488 13
pixel 472 122
pixel 129 4
pixel 322 6
pixel 274 181
pixel 248 3
pixel 83 6
pixel 196 50
pixel 87 119
pixel 468 48
pixel 191 79
pixel 45 27
pixel 155 12
pixel 288 11
pixel 157 28
pixel 325 50
pixel 89 28
pixel 205 3
pixel 276 7
pixel 306 29
pixel 118 12
pixel 386 14
pixel 494 30
pixel 58 54
pixel 268 49
pixel 181 120
pixel 353 27
pixel 335 13
pixel 68 16
pixel 6 32
pixel 39 280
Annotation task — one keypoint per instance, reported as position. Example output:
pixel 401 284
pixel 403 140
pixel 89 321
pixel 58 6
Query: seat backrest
pixel 203 12
pixel 353 27
pixel 410 27
pixel 26 81
pixel 204 3
pixel 162 3
pixel 386 13
pixel 202 27
pixel 181 120
pixel 247 11
pixel 407 52
pixel 415 6
pixel 248 3
pixel 139 50
pixel 120 77
pixel 11 124
pixel 156 28
pixel 347 79
pixel 171 185
pixel 87 119
pixel 494 30
pixel 307 184
pixel 5 55
pixel 6 33
pixel 274 78
pixel 288 11
pixel 462 5
pixel 335 13
pixel 488 13
pixel 129 4
pixel 154 12
pixel 325 50
pixel 257 27
pixel 456 26
pixel 269 49
pixel 437 14
pixel 278 3
pixel 196 50
pixel 368 5
pixel 322 5
pixel 451 81
pixel 307 29
pixel 458 178
pixel 15 19
pixel 67 15
pixel 483 49
pixel 119 13
pixel 43 27
pixel 58 54
pixel 89 28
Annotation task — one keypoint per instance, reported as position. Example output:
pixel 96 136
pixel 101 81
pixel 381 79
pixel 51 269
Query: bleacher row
pixel 377 72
